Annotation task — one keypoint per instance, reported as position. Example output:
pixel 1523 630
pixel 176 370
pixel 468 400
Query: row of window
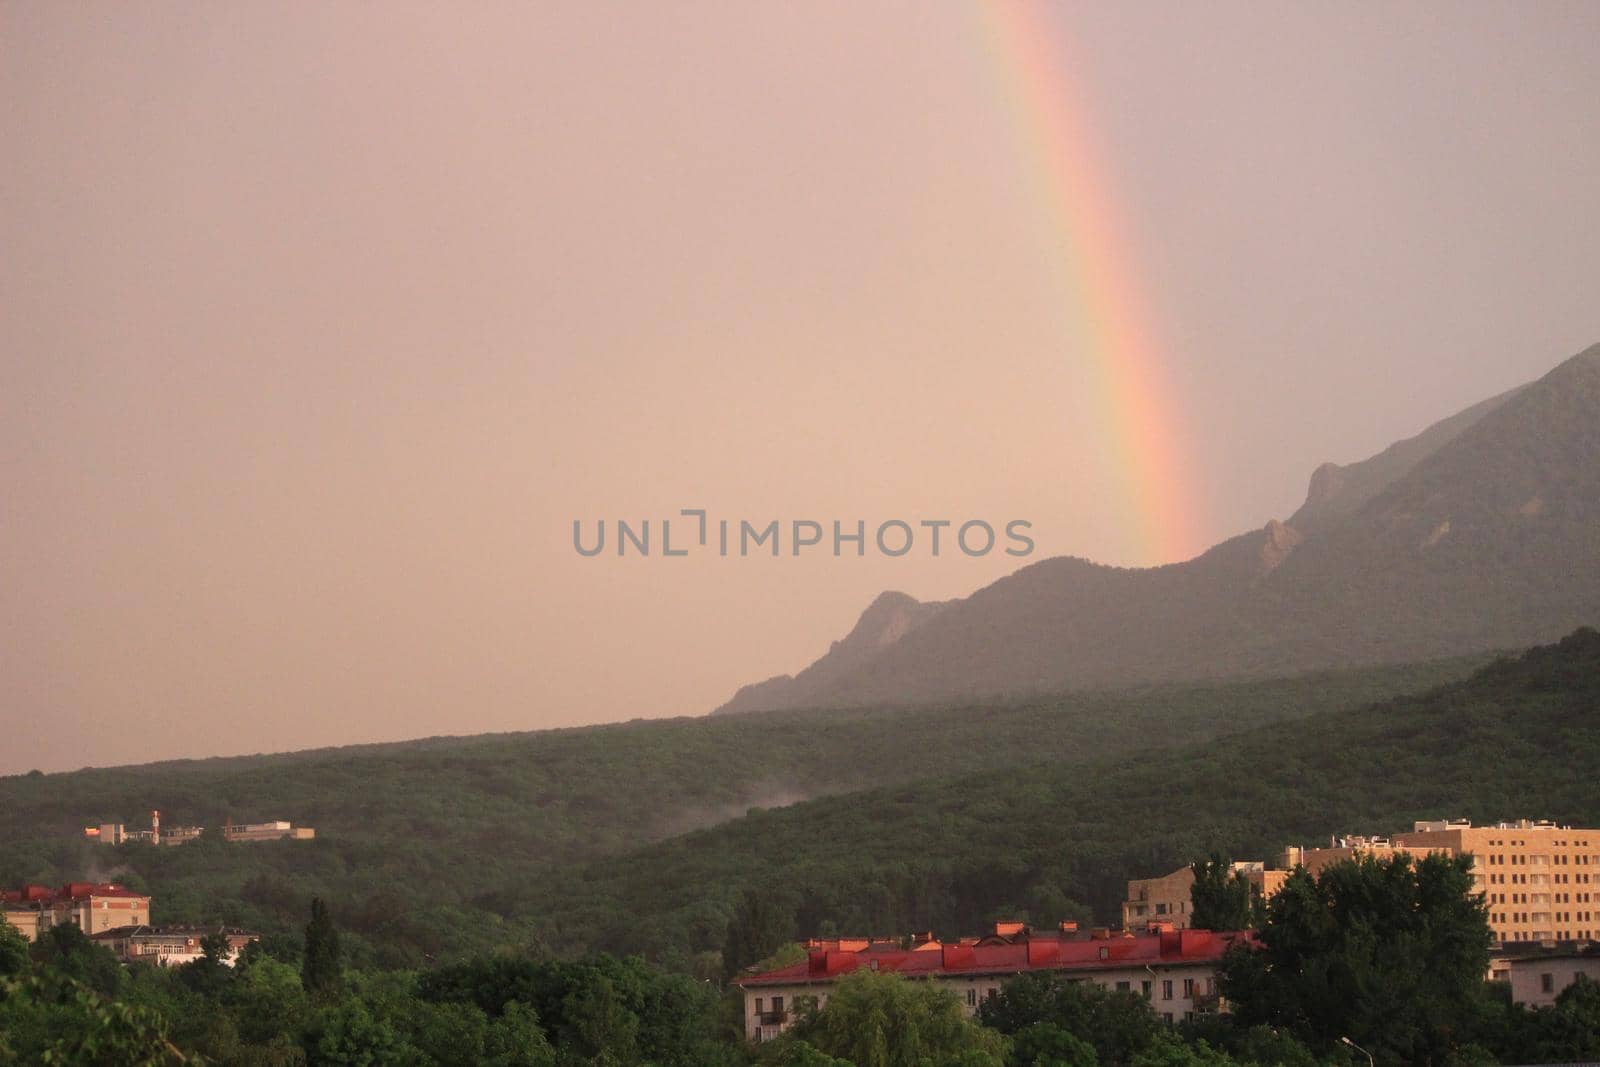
pixel 1548 935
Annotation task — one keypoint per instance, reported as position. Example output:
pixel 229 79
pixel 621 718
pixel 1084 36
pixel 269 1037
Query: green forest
pixel 430 850
pixel 1317 987
pixel 460 906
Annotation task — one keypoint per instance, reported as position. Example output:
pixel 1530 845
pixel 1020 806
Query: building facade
pixel 1175 970
pixel 1541 881
pixel 1167 900
pixel 170 946
pixel 94 907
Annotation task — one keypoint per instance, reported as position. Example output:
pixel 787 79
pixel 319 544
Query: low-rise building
pixel 1175 970
pixel 267 831
pixel 1539 973
pixel 170 946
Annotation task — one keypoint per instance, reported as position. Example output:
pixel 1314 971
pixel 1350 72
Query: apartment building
pixel 94 907
pixel 1175 970
pixel 1540 880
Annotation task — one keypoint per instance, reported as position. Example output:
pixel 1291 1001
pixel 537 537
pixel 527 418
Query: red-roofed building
pixel 1175 970
pixel 94 906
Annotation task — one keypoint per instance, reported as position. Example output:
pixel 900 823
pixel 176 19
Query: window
pixel 1547 983
pixel 758 1005
pixel 1144 988
pixel 972 997
pixel 1188 987
pixel 777 1005
pixel 1122 987
pixel 1166 992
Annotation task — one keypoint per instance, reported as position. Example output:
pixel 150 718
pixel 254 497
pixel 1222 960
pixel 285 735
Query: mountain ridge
pixel 1388 559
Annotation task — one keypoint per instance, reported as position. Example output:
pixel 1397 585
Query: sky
pixel 321 325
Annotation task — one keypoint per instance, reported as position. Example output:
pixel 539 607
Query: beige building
pixel 1165 901
pixel 1174 970
pixel 1540 975
pixel 34 909
pixel 169 946
pixel 1540 880
pixel 267 831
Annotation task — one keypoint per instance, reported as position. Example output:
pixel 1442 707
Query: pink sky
pixel 319 325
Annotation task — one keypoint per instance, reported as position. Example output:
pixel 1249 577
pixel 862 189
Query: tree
pixel 319 965
pixel 877 1019
pixel 1222 898
pixel 210 974
pixel 50 1018
pixel 1048 1045
pixel 1115 1024
pixel 761 923
pixel 13 950
pixel 68 951
pixel 1390 953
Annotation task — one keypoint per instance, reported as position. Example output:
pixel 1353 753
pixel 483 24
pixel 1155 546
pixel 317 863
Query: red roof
pixel 1036 954
pixel 39 894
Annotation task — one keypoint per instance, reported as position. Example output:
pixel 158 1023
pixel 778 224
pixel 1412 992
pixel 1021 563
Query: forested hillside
pixel 1521 737
pixel 431 848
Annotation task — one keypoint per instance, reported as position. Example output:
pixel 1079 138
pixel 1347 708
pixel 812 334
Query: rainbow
pixel 1141 418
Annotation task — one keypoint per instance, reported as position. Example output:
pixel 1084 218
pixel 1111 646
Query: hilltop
pixel 1481 532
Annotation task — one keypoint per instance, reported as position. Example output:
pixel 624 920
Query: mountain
pixel 1047 841
pixel 1481 532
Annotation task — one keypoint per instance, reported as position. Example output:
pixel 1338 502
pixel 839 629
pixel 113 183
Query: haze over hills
pixel 1046 841
pixel 1481 532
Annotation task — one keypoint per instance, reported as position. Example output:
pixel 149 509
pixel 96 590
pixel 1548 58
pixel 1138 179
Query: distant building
pixel 170 946
pixel 1175 970
pixel 94 907
pixel 267 831
pixel 115 833
pixel 1166 900
pixel 1540 880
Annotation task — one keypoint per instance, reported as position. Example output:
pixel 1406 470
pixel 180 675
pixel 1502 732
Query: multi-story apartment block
pixel 1541 881
pixel 1175 970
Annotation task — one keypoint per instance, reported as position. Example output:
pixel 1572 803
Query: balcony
pixel 773 1018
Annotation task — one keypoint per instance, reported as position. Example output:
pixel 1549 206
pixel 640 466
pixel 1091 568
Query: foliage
pixel 438 850
pixel 1115 1024
pixel 877 1019
pixel 68 951
pixel 319 964
pixel 13 950
pixel 53 1019
pixel 1388 952
pixel 1222 898
pixel 948 855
